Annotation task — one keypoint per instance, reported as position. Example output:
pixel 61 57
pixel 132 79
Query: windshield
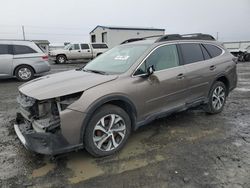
pixel 67 46
pixel 117 60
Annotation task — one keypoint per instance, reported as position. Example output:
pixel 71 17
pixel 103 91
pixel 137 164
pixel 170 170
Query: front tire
pixel 107 131
pixel 217 98
pixel 24 73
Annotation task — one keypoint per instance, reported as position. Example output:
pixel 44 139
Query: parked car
pixel 21 59
pixel 239 49
pixel 98 106
pixel 78 51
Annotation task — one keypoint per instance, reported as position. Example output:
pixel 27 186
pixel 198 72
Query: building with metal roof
pixel 114 35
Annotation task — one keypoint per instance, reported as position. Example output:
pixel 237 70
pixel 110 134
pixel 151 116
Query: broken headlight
pixel 67 100
pixel 25 101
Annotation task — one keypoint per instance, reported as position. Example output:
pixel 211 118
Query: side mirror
pixel 150 70
pixel 70 49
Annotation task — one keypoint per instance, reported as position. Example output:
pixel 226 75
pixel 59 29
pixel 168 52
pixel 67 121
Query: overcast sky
pixel 72 20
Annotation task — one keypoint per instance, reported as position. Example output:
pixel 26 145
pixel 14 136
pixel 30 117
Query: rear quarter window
pixel 100 46
pixel 214 51
pixel 84 46
pixel 22 49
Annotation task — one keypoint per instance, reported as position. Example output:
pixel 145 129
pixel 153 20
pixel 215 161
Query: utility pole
pixel 23 32
pixel 217 35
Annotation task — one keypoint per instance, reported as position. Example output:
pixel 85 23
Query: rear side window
pixel 213 50
pixel 21 49
pixel 84 46
pixel 100 46
pixel 191 53
pixel 4 49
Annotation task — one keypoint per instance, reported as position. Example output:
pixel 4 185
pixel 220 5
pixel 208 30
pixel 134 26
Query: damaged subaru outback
pixel 98 106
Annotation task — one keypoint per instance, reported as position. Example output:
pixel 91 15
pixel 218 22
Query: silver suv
pixel 21 59
pixel 98 106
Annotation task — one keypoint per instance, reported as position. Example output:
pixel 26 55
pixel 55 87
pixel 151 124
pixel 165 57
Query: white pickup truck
pixel 78 51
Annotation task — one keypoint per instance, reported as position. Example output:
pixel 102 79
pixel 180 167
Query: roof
pixel 41 41
pixel 128 28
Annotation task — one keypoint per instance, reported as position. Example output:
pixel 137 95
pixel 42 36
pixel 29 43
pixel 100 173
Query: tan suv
pixel 97 107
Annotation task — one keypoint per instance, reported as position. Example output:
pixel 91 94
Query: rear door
pixel 164 90
pixel 199 70
pixel 6 60
pixel 86 51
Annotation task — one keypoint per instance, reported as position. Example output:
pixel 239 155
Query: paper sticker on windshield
pixel 121 57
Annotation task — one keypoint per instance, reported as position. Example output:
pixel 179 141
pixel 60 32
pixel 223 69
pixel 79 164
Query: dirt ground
pixel 188 149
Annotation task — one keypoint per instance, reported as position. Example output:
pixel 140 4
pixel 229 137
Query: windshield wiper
pixel 95 71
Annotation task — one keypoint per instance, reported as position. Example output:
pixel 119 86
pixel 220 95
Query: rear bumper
pixel 42 67
pixel 43 143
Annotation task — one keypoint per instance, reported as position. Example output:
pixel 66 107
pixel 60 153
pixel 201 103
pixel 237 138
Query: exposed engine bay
pixel 44 116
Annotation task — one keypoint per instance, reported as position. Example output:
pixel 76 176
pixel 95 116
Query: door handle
pixel 212 67
pixel 79 50
pixel 88 51
pixel 180 76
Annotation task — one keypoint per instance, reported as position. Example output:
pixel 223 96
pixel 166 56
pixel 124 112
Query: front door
pixel 74 52
pixel 165 89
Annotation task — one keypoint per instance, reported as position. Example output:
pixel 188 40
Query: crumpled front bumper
pixel 43 143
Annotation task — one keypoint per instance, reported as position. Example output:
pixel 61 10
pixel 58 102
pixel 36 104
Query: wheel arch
pixel 15 69
pixel 223 78
pixel 121 101
pixel 63 55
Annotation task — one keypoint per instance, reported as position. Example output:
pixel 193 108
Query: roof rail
pixel 192 36
pixel 14 40
pixel 138 39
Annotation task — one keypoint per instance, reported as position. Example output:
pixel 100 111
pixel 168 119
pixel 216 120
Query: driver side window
pixel 164 57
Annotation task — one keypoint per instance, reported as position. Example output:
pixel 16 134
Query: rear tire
pixel 217 98
pixel 24 73
pixel 60 59
pixel 107 131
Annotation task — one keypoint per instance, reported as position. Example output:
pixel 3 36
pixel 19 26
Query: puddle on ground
pixel 85 167
pixel 42 171
pixel 135 145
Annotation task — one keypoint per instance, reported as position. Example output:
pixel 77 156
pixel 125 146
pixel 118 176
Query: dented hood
pixel 64 83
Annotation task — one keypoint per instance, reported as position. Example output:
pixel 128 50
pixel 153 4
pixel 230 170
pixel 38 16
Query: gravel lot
pixel 188 149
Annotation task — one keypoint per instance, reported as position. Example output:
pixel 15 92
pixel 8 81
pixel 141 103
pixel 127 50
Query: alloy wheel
pixel 218 98
pixel 109 132
pixel 24 73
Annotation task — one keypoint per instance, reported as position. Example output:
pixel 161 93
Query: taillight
pixel 45 57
